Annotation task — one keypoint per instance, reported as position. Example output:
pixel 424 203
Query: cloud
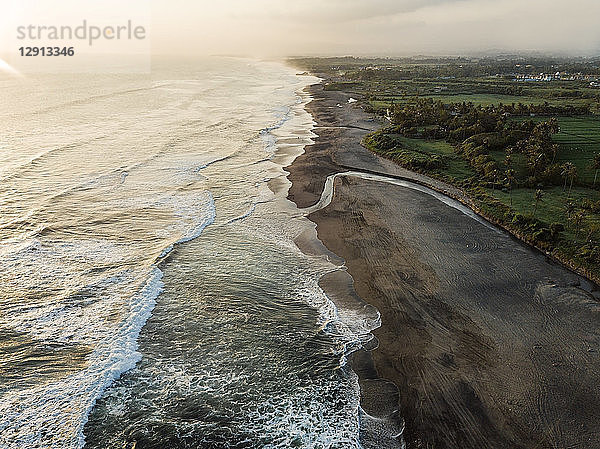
pixel 377 27
pixel 323 11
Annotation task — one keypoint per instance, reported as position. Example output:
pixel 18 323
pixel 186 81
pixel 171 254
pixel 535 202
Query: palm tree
pixel 577 219
pixel 564 172
pixel 495 174
pixel 537 161
pixel 570 208
pixel 569 171
pixel 554 151
pixel 573 174
pixel 596 166
pixel 510 177
pixel 539 194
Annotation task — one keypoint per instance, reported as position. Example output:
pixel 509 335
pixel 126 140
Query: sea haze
pixel 150 288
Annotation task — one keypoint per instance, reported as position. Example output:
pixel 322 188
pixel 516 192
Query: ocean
pixel 151 290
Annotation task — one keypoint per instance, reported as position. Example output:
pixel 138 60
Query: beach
pixel 483 342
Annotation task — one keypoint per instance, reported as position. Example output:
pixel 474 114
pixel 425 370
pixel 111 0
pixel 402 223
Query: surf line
pixel 394 423
pixel 328 191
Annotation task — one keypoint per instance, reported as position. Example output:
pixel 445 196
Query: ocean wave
pixel 350 324
pixel 94 98
pixel 54 413
pixel 82 312
pixel 267 133
pixel 40 157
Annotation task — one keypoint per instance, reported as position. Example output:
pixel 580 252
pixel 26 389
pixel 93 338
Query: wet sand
pixel 489 344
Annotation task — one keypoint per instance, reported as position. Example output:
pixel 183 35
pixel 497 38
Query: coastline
pixel 451 407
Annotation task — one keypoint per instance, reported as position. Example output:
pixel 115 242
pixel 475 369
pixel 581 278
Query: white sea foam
pixel 119 302
pixel 283 115
pixel 304 421
pixel 53 414
pixel 352 325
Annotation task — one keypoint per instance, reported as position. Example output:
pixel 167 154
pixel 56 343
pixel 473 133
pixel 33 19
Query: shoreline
pixel 473 417
pixel 392 170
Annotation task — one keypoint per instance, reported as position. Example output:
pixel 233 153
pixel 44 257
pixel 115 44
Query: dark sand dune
pixel 489 344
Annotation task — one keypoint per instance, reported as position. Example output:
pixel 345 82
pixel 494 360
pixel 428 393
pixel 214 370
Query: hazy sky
pixel 330 27
pixel 385 27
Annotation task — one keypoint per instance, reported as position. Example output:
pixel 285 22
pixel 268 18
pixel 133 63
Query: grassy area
pixel 489 99
pixel 577 237
pixel 455 167
pixel 478 99
pixel 552 208
pixel 579 140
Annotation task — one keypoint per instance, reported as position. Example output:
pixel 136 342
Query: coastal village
pixel 560 76
pixel 519 72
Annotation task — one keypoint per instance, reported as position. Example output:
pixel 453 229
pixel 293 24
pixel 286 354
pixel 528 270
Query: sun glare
pixel 7 68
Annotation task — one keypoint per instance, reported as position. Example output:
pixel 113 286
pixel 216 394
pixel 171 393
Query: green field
pixel 456 166
pixel 489 99
pixel 478 99
pixel 552 208
pixel 579 140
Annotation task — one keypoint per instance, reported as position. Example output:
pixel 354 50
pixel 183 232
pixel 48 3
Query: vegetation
pixel 525 147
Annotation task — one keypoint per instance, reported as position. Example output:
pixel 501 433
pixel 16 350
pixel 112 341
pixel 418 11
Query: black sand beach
pixel 489 344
